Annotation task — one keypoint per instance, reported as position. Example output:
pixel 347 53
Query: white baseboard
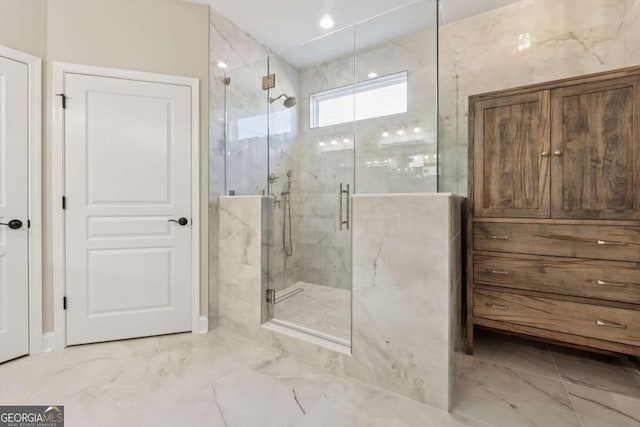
pixel 203 325
pixel 48 342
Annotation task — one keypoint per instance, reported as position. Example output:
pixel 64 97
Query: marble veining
pixel 528 42
pixel 406 278
pixel 224 379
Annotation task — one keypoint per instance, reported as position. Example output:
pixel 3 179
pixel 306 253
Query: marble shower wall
pixel 283 139
pixel 383 164
pixel 528 42
pixel 228 44
pixel 406 295
pixel 322 253
pixel 404 161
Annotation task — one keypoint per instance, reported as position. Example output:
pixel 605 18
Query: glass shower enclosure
pixel 351 111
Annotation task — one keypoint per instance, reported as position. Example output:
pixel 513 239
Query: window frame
pixel 354 89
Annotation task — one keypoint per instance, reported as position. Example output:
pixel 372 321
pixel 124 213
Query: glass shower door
pixel 311 176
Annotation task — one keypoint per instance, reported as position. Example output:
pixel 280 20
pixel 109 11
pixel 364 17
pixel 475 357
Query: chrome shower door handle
pixel 342 222
pixel 348 194
pixel 340 207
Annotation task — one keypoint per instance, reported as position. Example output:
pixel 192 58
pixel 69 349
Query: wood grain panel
pixel 607 280
pixel 512 176
pixel 554 209
pixel 606 323
pixel 578 241
pixel 595 144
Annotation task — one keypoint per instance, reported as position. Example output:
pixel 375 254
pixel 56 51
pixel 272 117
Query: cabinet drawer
pixel 608 280
pixel 578 241
pixel 593 321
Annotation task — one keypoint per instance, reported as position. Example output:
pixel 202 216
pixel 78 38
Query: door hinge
pixel 64 100
pixel 227 81
pixel 28 223
pixel 64 202
pixel 271 296
pixel 64 303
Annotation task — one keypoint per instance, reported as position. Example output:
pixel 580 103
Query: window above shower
pixel 375 97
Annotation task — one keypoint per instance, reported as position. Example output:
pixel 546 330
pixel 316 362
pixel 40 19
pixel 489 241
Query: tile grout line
pixel 527 399
pixel 564 386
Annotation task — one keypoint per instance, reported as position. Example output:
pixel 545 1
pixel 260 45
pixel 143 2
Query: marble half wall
pixel 406 294
pixel 406 334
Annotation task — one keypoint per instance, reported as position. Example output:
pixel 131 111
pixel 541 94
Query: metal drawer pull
pixel 499 307
pixel 609 243
pixel 545 154
pixel 612 284
pixel 497 237
pixel 608 324
pixel 498 272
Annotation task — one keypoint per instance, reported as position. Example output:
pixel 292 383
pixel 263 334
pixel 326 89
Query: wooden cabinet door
pixel 511 137
pixel 595 170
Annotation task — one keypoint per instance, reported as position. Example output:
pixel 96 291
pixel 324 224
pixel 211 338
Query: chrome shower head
pixel 289 101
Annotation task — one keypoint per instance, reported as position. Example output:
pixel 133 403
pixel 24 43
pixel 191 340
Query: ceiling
pixel 284 25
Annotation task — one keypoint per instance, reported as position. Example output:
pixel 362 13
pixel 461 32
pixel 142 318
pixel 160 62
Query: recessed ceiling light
pixel 346 140
pixel 372 75
pixel 334 142
pixel 400 132
pixel 327 22
pixel 417 130
pixel 385 134
pixel 222 64
pixel 321 144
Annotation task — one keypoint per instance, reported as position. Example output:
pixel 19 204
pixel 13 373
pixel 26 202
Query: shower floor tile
pixel 321 308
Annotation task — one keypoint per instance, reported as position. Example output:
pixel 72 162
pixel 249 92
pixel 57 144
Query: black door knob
pixel 181 221
pixel 14 224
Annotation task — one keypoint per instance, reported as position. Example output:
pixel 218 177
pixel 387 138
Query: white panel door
pixel 127 175
pixel 14 249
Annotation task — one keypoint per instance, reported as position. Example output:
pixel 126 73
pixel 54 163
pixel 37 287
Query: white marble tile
pixel 632 38
pixel 403 283
pixel 507 410
pixel 321 308
pixel 515 353
pixel 606 373
pixel 272 403
pixel 60 374
pixel 98 410
pixel 607 407
pixel 501 379
pixel 590 422
pixel 456 420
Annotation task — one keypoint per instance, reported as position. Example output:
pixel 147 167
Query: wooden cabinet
pixel 511 175
pixel 554 218
pixel 596 150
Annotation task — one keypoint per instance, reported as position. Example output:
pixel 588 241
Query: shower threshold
pixel 314 310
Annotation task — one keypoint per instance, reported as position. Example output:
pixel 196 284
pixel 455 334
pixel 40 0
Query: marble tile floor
pixel 317 307
pixel 222 379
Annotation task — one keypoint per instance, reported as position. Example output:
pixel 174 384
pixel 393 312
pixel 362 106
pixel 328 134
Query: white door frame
pixel 34 65
pixel 59 71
